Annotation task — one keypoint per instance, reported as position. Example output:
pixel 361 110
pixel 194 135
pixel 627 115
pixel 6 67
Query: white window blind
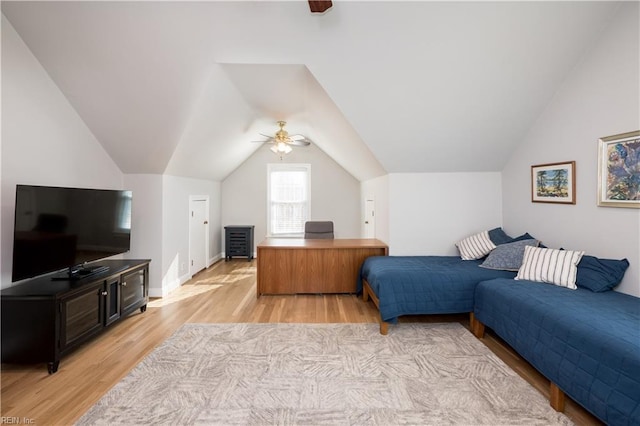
pixel 289 198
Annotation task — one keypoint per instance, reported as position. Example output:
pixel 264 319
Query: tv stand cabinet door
pixel 82 315
pixel 134 291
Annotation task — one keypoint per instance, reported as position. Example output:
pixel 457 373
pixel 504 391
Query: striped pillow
pixel 559 267
pixel 476 246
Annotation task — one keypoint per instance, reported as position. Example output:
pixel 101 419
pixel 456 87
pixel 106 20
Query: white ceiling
pixel 183 87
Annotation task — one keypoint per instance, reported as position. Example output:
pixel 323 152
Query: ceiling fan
pixel 282 141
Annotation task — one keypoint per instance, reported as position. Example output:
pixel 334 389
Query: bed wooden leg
pixel 556 397
pixel 384 328
pixel 367 293
pixel 477 328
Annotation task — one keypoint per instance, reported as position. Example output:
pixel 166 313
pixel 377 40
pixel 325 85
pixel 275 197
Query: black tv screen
pixel 58 228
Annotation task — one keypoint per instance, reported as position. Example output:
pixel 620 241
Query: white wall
pixel 44 141
pixel 430 212
pixel 601 97
pixel 146 225
pixel 175 226
pixel 335 194
pixel 376 189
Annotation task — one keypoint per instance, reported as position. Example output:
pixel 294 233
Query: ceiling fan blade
pixel 293 140
pixel 305 142
pixel 319 6
pixel 297 137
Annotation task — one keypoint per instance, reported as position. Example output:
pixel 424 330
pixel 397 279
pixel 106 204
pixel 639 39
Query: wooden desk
pixel 289 266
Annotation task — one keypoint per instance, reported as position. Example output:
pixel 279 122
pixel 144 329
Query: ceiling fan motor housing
pixel 282 135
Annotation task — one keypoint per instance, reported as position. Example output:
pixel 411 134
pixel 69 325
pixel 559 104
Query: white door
pixel 369 219
pixel 198 225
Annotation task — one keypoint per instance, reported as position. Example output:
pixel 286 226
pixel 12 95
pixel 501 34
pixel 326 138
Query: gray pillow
pixel 508 257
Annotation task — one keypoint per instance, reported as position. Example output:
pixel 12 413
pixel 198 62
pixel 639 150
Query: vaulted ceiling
pixel 184 87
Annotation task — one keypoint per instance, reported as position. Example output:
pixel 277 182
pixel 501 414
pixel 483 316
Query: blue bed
pixel 586 343
pixel 408 285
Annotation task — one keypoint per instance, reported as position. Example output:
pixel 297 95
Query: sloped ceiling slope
pixel 255 98
pixel 183 87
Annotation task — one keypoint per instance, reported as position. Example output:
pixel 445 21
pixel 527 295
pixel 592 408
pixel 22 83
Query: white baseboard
pixel 183 279
pixel 215 258
pixel 172 285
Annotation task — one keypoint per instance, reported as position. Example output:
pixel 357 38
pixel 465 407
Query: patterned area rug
pixel 322 374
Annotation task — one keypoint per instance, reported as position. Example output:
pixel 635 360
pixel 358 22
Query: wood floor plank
pixel 225 292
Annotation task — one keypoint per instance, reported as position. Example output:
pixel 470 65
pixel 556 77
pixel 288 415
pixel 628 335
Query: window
pixel 124 212
pixel 288 194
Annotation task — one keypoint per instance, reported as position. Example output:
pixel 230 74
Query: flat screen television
pixel 62 229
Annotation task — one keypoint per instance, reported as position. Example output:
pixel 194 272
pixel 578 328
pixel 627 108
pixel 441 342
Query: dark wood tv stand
pixel 43 320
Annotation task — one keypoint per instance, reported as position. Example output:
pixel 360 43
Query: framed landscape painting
pixel 619 170
pixel 554 183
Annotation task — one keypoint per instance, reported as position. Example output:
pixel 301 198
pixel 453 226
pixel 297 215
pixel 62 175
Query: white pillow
pixel 559 267
pixel 476 246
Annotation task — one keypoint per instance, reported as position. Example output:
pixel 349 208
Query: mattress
pixel 408 285
pixel 587 343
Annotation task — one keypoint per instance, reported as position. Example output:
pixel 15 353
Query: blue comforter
pixel 587 343
pixel 408 285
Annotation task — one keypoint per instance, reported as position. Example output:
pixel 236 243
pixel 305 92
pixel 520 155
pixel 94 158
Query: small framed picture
pixel 554 183
pixel 619 170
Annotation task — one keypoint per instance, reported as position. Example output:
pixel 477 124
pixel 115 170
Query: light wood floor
pixel 225 292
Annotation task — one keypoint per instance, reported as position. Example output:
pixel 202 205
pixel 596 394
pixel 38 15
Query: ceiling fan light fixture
pixel 281 148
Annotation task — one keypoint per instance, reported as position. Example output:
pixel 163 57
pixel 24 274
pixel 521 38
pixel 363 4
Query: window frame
pixel 279 167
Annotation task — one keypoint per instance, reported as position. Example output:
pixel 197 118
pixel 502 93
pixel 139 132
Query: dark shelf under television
pixel 44 319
